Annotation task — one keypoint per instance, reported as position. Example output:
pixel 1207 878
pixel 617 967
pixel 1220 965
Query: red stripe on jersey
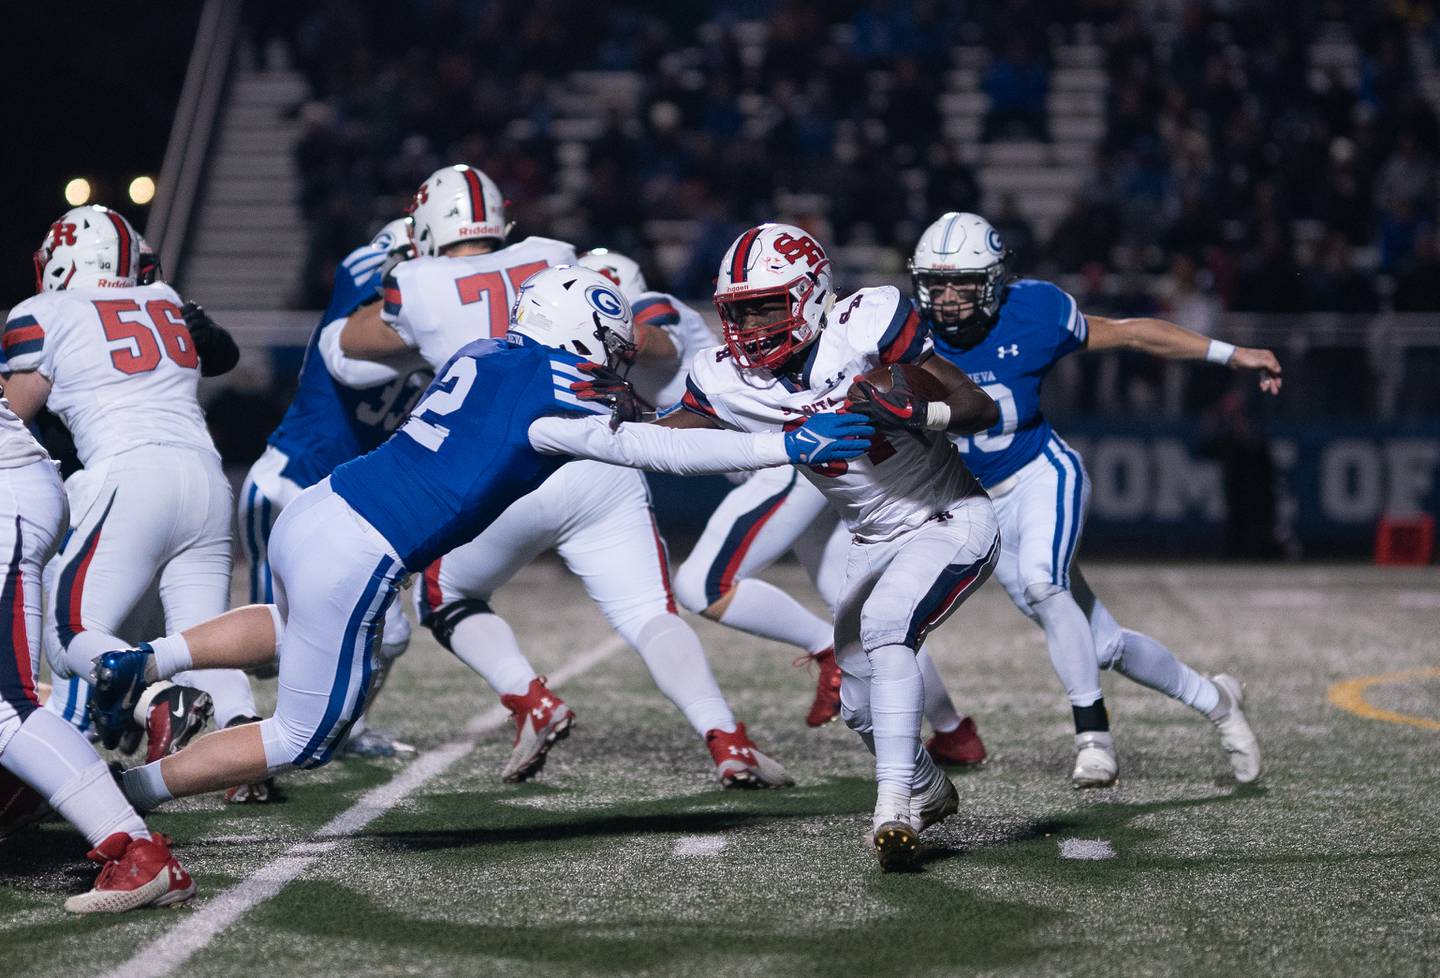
pixel 896 350
pixel 659 309
pixel 16 335
pixel 477 195
pixel 432 595
pixel 122 231
pixel 693 403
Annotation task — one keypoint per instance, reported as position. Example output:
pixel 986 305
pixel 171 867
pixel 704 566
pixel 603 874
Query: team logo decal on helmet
pixel 773 294
pixel 958 275
pixel 606 300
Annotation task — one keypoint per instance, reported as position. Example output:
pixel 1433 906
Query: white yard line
pixel 181 942
pixel 699 845
pixel 1086 849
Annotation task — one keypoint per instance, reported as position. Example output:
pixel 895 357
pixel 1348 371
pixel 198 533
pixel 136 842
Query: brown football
pixel 925 384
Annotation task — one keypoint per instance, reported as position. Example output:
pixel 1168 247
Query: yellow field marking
pixel 1349 695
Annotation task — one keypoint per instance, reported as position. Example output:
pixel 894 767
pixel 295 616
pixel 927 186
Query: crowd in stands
pixel 1235 170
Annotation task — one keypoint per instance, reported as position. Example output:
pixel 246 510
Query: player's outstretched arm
pixel 368 337
pixel 1161 338
pixel 654 345
pixel 964 410
pixel 698 451
pixel 27 391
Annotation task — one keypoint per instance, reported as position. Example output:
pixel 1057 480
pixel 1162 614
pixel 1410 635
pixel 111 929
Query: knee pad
pixel 442 620
pixel 395 637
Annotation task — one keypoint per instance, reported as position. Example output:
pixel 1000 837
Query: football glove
pixel 216 348
pixel 829 438
pixel 899 407
pixel 607 386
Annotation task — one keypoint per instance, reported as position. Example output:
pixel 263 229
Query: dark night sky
pixel 89 90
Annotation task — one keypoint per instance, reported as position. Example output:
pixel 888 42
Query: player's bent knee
pixel 444 619
pixel 1110 650
pixel 857 718
pixel 688 583
pixel 285 742
pixel 1038 594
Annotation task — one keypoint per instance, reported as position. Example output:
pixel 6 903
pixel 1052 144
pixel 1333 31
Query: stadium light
pixel 77 192
pixel 142 190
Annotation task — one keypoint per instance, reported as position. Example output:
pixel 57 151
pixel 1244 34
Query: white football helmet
pixel 457 203
pixel 773 266
pixel 576 309
pixel 965 252
pixel 88 246
pixel 624 272
pixel 394 239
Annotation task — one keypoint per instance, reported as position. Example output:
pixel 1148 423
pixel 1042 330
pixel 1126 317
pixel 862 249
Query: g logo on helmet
pixel 992 241
pixel 606 301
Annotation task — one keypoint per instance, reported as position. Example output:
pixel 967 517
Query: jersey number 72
pixel 489 288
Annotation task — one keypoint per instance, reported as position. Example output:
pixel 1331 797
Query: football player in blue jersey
pixel 342 409
pixel 502 416
pixel 1007 335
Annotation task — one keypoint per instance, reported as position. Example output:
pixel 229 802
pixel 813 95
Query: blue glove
pixel 829 438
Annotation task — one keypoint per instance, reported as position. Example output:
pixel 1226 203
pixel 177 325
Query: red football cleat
pixel 827 688
pixel 173 716
pixel 958 747
pixel 739 763
pixel 541 718
pixel 137 873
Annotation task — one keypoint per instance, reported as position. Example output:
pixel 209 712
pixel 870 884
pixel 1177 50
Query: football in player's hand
pixel 922 383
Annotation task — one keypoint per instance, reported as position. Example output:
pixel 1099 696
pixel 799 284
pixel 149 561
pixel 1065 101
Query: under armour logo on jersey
pixel 1013 350
pixel 792 249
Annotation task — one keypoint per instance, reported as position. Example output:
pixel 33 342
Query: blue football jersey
pixel 464 455
pixel 1039 323
pixel 327 422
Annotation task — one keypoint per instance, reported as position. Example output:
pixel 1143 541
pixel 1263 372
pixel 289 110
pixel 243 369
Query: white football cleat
pixel 1235 734
pixel 935 804
pixel 1095 763
pixel 896 838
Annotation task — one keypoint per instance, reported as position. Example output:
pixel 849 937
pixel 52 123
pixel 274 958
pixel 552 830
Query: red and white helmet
pixel 457 203
pixel 88 246
pixel 576 309
pixel 779 266
pixel 624 272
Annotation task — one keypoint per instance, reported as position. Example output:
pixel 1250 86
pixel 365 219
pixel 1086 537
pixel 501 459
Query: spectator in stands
pixel 1018 82
pixel 1417 289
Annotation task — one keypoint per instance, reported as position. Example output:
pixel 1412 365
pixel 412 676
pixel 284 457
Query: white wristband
pixel 937 416
pixel 1220 352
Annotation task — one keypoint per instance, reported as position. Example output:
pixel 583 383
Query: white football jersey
pixel 664 384
pixel 17 446
pixel 905 479
pixel 439 303
pixel 122 364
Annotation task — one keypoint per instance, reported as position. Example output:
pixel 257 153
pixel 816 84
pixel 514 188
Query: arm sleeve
pixel 348 371
pixel 677 451
pixel 217 349
pixel 22 345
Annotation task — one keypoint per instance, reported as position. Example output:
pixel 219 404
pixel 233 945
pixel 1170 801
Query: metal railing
pixel 190 134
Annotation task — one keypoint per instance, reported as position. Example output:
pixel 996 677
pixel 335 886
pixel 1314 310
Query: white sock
pixel 926 772
pixel 762 609
pixel 1072 647
pixel 145 787
pixel 228 688
pixel 85 647
pixel 70 701
pixel 487 644
pixel 58 762
pixel 897 698
pixel 939 708
pixel 676 661
pixel 1151 664
pixel 172 655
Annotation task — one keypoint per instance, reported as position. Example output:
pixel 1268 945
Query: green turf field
pixel 625 859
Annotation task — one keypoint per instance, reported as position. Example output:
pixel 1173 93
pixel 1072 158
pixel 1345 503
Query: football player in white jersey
pixel 117 362
pixel 36 746
pixel 924 533
pixel 596 516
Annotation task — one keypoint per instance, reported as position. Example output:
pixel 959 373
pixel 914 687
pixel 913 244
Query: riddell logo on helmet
pixel 477 231
pixel 113 283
